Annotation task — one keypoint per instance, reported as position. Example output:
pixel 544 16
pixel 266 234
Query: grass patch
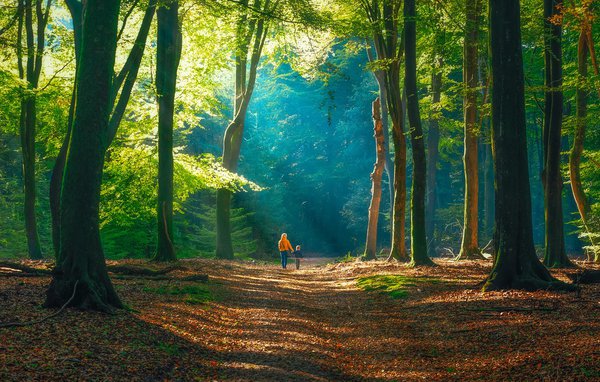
pixel 395 286
pixel 192 294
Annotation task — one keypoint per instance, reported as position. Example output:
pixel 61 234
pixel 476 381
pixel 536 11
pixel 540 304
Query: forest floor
pixel 254 322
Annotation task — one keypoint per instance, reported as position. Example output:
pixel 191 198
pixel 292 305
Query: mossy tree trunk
pixel 376 175
pixel 251 32
pixel 32 19
pixel 168 52
pixel 418 242
pixel 555 254
pixel 122 85
pixel 469 248
pixel 516 265
pixel 81 261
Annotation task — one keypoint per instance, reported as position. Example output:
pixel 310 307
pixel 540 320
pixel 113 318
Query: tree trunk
pixel 516 265
pixel 579 139
pixel 469 248
pixel 28 119
pixel 555 255
pixel 81 265
pixel 371 243
pixel 418 242
pixel 251 35
pixel 167 60
pixel 126 77
pixel 433 141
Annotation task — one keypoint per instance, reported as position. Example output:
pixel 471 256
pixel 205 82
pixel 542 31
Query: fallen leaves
pixel 259 323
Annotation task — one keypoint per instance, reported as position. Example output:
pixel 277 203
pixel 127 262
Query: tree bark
pixel 28 119
pixel 418 242
pixel 581 97
pixel 384 18
pixel 555 254
pixel 469 248
pixel 168 50
pixel 126 77
pixel 433 141
pixel 250 36
pixel 516 265
pixel 371 242
pixel 81 258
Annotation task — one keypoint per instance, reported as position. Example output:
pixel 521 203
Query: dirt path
pixel 269 324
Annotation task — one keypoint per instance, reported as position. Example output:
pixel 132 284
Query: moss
pixel 395 286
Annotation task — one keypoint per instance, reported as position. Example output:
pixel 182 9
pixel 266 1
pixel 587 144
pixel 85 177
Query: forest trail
pixel 262 323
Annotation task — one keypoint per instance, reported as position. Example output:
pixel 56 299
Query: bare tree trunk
pixel 80 268
pixel 371 243
pixel 469 248
pixel 168 51
pixel 418 242
pixel 28 120
pixel 516 265
pixel 433 141
pixel 555 255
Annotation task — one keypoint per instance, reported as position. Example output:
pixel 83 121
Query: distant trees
pixel 168 52
pixel 80 265
pixel 383 17
pixel 252 26
pixel 32 21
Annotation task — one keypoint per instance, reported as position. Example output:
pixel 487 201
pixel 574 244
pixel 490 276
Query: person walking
pixel 284 247
pixel 298 256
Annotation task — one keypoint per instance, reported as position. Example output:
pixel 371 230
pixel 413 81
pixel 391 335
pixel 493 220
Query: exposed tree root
pixel 11 266
pixel 586 277
pixel 15 324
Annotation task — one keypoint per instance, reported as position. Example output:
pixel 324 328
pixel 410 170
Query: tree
pixel 516 265
pixel 433 141
pixel 585 48
pixel 122 87
pixel 80 267
pixel 251 32
pixel 383 17
pixel 35 44
pixel 371 243
pixel 418 253
pixel 470 244
pixel 168 52
pixel 555 255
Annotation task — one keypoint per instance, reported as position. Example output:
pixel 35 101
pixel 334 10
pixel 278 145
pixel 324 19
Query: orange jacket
pixel 285 245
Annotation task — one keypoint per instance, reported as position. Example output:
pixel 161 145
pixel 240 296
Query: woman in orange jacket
pixel 284 247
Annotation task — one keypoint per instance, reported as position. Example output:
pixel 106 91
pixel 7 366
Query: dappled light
pixel 299 190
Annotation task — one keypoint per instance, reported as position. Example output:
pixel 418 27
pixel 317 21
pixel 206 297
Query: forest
pixel 302 190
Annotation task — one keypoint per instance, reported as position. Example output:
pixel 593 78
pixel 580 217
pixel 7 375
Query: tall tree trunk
pixel 28 119
pixel 469 248
pixel 80 266
pixel 418 242
pixel 555 255
pixel 250 36
pixel 580 126
pixel 516 265
pixel 371 243
pixel 124 81
pixel 433 141
pixel 168 51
